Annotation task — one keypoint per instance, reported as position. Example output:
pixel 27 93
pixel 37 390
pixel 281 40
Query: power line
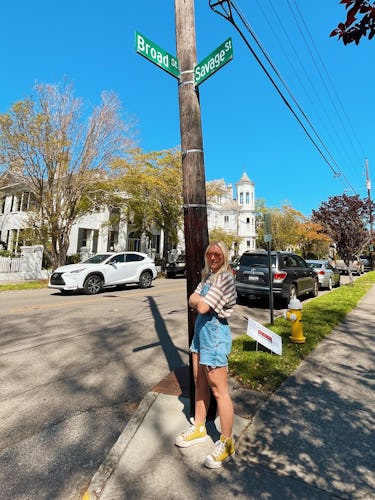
pixel 228 7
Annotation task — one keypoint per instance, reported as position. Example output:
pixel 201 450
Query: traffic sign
pixel 213 62
pixel 156 54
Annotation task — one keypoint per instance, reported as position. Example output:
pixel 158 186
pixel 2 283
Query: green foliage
pixel 25 285
pixel 292 231
pixel 263 371
pixel 229 238
pixel 153 185
pixel 5 253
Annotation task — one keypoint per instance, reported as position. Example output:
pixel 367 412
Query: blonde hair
pixel 224 268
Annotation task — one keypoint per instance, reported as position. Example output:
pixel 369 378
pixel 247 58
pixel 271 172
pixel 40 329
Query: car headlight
pixel 76 271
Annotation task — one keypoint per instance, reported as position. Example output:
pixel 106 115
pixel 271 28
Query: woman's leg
pixel 218 381
pixel 202 390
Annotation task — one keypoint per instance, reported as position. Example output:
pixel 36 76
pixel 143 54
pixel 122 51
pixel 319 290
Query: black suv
pixel 292 276
pixel 175 268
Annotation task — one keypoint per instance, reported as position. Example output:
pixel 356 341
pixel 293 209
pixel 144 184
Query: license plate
pixel 253 278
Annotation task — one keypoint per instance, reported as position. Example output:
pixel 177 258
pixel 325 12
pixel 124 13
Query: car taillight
pixel 321 272
pixel 279 276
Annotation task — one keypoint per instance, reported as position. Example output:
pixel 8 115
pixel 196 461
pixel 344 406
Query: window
pixel 112 240
pixel 2 205
pixel 14 205
pixel 133 257
pixel 247 198
pixel 82 238
pixel 118 258
pixel 226 220
pixel 241 198
pixel 95 240
pixel 247 220
pixel 27 202
pixel 300 262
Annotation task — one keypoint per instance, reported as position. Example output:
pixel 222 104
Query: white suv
pixel 103 270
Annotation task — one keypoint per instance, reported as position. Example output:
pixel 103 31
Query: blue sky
pixel 246 125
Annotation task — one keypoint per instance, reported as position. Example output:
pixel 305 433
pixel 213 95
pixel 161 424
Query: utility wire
pixel 332 128
pixel 228 15
pixel 353 133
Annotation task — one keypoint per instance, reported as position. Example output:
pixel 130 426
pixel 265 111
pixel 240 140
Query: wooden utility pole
pixel 193 175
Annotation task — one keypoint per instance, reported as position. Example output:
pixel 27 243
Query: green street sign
pixel 157 55
pixel 213 62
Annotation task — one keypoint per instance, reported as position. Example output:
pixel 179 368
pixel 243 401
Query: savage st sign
pixel 216 60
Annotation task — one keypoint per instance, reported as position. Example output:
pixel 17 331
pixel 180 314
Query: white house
pixel 230 210
pixel 233 212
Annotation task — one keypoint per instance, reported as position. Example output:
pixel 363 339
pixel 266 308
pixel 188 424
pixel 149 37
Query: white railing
pixel 10 264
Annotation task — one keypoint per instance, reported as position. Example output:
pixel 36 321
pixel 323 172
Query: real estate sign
pixel 264 336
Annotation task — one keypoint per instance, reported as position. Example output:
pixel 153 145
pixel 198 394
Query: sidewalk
pixel 313 439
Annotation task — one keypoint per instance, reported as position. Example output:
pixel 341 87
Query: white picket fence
pixel 10 264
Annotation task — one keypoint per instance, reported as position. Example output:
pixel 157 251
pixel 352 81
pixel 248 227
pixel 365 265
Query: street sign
pixel 213 62
pixel 156 54
pixel 267 238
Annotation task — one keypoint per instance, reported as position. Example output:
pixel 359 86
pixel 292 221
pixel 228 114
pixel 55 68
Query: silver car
pixel 328 276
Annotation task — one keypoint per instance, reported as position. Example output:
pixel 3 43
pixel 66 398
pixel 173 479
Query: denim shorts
pixel 212 340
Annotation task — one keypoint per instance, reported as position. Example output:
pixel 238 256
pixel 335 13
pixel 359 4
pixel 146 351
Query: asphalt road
pixel 73 371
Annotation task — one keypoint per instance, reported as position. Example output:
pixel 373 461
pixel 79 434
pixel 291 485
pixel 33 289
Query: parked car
pixel 178 267
pixel 104 270
pixel 355 266
pixel 328 276
pixel 366 262
pixel 292 276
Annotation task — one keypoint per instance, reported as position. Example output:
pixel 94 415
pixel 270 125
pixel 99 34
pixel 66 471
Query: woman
pixel 213 300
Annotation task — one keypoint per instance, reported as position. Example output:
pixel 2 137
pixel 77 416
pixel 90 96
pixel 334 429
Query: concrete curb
pixel 111 461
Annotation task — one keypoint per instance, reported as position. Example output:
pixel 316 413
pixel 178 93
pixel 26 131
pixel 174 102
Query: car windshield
pixel 98 259
pixel 316 264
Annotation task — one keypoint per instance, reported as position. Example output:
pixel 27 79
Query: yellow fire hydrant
pixel 294 315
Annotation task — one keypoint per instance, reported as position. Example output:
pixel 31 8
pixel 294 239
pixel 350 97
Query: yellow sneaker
pixel 195 434
pixel 224 450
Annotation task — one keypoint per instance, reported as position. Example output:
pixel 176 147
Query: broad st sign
pixel 156 54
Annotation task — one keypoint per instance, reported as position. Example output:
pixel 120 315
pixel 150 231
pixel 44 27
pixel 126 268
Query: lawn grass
pixel 262 371
pixel 23 285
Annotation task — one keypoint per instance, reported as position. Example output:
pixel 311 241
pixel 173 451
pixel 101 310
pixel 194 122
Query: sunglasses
pixel 216 255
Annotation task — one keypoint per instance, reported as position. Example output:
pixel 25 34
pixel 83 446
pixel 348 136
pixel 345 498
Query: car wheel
pixel 329 284
pixel 93 285
pixel 145 280
pixel 315 290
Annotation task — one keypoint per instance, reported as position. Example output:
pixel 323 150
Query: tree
pixel 291 230
pixel 344 219
pixel 285 224
pixel 153 186
pixel 61 161
pixel 314 243
pixel 230 238
pixel 352 30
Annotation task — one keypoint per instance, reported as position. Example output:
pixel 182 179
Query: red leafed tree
pixel 360 21
pixel 344 218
